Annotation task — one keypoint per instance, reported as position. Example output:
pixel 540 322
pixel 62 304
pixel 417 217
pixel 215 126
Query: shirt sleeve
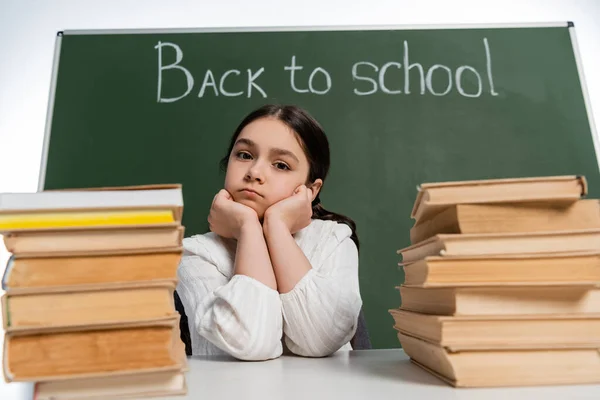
pixel 241 316
pixel 320 314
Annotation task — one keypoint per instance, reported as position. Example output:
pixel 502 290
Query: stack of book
pixel 501 282
pixel 89 310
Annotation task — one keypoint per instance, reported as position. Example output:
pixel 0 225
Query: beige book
pixel 510 218
pixel 498 300
pixel 496 368
pixel 92 351
pixel 100 198
pixel 64 306
pixel 86 270
pixel 496 244
pixel 534 270
pixel 457 333
pixel 92 241
pixel 119 385
pixel 434 197
pixel 124 386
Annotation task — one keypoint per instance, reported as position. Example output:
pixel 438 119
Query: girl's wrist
pixel 249 226
pixel 274 225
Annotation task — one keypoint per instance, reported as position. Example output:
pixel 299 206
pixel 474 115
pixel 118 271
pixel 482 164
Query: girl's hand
pixel 227 217
pixel 294 212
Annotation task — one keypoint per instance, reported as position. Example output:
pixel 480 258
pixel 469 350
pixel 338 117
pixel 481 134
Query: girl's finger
pixel 224 195
pixel 215 199
pixel 227 195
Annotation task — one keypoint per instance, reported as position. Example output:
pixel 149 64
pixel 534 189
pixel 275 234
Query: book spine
pixel 6 306
pixel 7 271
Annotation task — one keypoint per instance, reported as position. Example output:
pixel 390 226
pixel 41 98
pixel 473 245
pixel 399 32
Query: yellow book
pixel 68 219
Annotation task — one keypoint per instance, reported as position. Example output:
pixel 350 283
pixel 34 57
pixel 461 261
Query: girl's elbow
pixel 249 343
pixel 318 347
pixel 257 351
pixel 321 352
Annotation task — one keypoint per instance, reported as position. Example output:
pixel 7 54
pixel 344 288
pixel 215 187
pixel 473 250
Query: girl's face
pixel 266 164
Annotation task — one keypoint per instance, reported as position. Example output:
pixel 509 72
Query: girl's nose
pixel 255 173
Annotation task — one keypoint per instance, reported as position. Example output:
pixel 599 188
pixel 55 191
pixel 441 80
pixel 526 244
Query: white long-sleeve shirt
pixel 241 316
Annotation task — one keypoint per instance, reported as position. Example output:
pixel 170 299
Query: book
pixel 497 368
pixel 48 354
pixel 501 300
pixel 92 241
pixel 494 244
pixel 18 221
pixel 90 270
pixel 66 307
pixel 457 333
pixel 579 268
pixel 510 218
pixel 121 386
pixel 154 196
pixel 434 197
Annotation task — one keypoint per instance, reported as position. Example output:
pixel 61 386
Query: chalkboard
pixel 400 107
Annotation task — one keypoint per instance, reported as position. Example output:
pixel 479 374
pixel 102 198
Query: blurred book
pixel 456 333
pixel 502 282
pixel 139 385
pixel 89 310
pixel 60 307
pixel 143 196
pixel 503 244
pixel 37 243
pixel 573 268
pixel 510 218
pixel 90 270
pixel 501 300
pixel 496 368
pixel 432 198
pixel 48 354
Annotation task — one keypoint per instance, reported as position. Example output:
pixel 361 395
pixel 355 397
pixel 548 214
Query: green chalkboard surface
pixel 400 107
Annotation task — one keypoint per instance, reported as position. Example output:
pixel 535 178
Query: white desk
pixel 360 375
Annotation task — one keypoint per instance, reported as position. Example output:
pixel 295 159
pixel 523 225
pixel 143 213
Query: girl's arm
pixel 241 316
pixel 234 220
pixel 290 264
pixel 252 256
pixel 320 302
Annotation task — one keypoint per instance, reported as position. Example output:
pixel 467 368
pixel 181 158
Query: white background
pixel 28 31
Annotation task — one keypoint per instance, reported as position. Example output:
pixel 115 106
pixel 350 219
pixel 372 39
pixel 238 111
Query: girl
pixel 277 272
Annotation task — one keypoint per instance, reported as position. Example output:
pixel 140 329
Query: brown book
pixel 92 241
pixel 118 385
pixel 498 244
pixel 123 386
pixel 64 307
pixel 578 268
pixel 39 272
pixel 434 197
pixel 501 332
pixel 83 353
pixel 495 368
pixel 489 301
pixel 510 218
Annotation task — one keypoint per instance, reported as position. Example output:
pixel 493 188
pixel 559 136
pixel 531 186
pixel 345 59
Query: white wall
pixel 28 30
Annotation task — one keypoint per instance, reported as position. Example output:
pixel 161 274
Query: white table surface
pixel 361 375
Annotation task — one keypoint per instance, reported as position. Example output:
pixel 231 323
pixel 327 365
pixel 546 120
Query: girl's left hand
pixel 294 212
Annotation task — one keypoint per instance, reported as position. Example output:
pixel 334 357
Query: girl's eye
pixel 243 155
pixel 282 166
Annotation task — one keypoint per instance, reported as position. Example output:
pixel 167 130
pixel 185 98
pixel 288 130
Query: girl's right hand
pixel 227 217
